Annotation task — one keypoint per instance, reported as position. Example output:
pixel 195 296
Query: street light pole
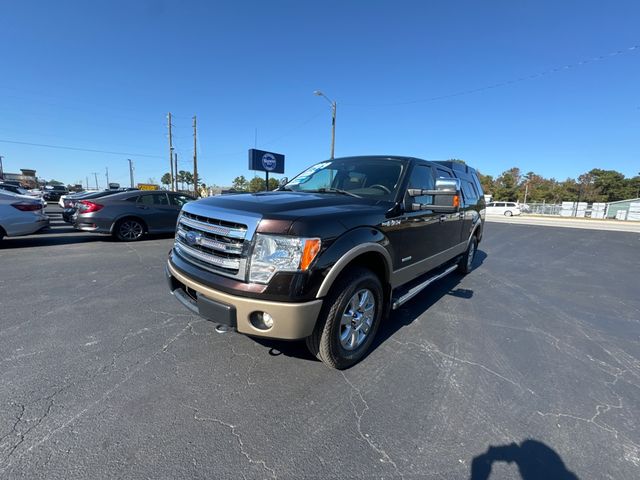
pixel 333 120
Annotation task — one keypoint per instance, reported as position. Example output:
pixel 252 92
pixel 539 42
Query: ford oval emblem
pixel 192 238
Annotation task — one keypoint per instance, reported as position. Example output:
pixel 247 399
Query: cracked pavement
pixel 105 375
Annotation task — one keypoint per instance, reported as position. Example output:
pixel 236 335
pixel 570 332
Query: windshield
pixel 363 177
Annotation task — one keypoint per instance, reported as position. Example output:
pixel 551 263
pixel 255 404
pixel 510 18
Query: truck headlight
pixel 276 253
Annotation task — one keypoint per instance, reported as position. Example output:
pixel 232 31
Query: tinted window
pixel 469 192
pixel 179 200
pixel 422 177
pixel 153 199
pixel 499 204
pixel 443 173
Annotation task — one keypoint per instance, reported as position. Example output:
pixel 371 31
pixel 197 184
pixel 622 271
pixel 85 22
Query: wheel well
pixel 3 232
pixel 127 217
pixel 478 233
pixel 377 264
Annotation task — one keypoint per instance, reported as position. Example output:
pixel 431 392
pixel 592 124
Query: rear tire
pixel 349 319
pixel 129 230
pixel 465 265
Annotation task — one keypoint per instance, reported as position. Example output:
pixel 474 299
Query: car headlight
pixel 276 253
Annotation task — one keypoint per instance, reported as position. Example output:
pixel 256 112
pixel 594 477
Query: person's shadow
pixel 535 461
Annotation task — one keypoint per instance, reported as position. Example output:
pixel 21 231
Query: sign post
pixel 266 162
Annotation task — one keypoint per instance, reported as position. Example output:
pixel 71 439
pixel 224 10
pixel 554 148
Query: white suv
pixel 503 208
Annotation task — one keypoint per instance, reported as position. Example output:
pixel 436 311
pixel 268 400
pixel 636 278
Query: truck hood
pixel 308 213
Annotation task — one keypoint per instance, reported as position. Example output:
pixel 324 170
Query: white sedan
pixel 503 208
pixel 21 215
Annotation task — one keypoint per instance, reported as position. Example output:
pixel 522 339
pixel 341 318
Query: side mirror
pixel 446 196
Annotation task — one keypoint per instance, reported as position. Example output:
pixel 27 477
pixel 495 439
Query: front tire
pixel 349 319
pixel 129 230
pixel 508 213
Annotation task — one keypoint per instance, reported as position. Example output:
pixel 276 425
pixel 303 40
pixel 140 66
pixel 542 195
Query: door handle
pixel 442 218
pixel 142 207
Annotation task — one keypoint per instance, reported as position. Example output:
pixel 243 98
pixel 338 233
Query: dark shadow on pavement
pixel 535 461
pixel 415 307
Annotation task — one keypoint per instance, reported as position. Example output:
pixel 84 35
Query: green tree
pixel 166 179
pixel 188 178
pixel 610 184
pixel 240 183
pixel 507 185
pixel 257 184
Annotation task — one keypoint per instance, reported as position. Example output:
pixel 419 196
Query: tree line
pixel 596 185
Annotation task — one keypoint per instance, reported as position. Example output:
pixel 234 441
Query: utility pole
pixel 195 158
pixel 333 128
pixel 333 119
pixel 526 192
pixel 95 175
pixel 107 174
pixel 175 160
pixel 87 180
pixel 171 174
pixel 130 171
pixel 1 169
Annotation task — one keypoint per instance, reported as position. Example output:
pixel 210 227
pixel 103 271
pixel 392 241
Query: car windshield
pixel 362 177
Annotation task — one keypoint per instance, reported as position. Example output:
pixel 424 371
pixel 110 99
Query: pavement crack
pixel 238 437
pixel 385 458
pixel 437 351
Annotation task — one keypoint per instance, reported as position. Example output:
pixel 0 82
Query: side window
pixel 443 173
pixel 132 199
pixel 500 205
pixel 422 177
pixel 145 199
pixel 179 200
pixel 160 199
pixel 469 192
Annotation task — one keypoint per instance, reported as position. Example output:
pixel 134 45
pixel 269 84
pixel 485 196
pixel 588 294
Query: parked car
pixel 74 195
pixel 327 256
pixel 70 204
pixel 53 192
pixel 20 215
pixel 128 216
pixel 11 188
pixel 503 208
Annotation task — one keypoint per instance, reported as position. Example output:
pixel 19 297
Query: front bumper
pixel 291 321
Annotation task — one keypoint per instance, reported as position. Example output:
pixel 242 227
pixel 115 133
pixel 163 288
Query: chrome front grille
pixel 213 244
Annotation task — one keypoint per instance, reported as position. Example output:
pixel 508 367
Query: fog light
pixel 267 320
pixel 261 320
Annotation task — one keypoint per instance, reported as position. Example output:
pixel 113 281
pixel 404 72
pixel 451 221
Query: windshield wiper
pixel 336 190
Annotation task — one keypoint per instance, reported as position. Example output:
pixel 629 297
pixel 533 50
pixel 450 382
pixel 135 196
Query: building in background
pixel 625 209
pixel 27 178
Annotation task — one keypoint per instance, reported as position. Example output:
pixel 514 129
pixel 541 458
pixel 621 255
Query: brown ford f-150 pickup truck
pixel 329 254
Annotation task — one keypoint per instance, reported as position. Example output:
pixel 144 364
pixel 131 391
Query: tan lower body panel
pixel 291 321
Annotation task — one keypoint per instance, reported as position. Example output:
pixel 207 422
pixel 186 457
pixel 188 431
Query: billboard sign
pixel 266 161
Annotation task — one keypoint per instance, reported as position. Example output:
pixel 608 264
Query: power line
pixel 79 149
pixel 598 58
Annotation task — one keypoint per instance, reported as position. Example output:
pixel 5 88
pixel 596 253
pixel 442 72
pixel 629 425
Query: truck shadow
pixel 417 306
pixel 398 319
pixel 534 459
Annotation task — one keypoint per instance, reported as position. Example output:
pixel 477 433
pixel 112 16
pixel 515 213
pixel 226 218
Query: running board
pixel 398 302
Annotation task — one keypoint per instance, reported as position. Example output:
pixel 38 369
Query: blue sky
pixel 102 75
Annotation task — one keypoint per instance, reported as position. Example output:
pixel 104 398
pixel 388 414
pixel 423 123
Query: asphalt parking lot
pixel 529 366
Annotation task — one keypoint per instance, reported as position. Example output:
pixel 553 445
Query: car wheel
pixel 508 213
pixel 129 230
pixel 349 319
pixel 465 265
